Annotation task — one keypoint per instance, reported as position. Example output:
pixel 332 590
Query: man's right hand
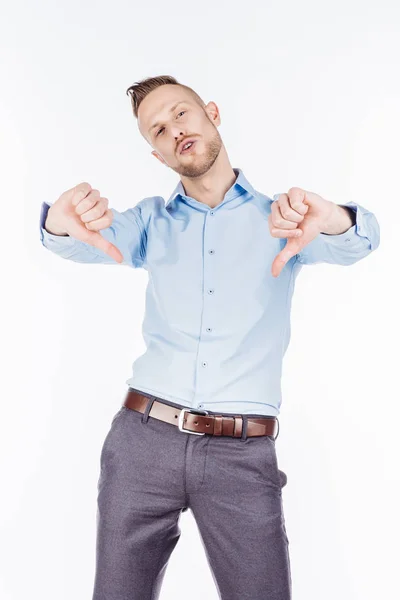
pixel 81 213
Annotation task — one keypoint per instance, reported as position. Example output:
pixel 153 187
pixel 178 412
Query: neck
pixel 211 187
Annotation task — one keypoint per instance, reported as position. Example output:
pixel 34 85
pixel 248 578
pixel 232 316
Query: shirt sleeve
pixel 127 232
pixel 344 248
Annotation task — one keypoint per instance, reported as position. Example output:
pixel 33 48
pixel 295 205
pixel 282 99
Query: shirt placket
pixel 208 318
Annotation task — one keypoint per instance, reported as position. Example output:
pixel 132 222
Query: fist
pixel 298 216
pixel 81 213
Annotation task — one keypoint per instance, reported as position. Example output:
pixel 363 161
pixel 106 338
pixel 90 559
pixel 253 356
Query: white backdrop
pixel 309 96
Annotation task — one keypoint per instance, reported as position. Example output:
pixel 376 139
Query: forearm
pixel 340 220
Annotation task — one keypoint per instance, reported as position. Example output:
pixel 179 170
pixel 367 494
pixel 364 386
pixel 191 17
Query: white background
pixel 309 96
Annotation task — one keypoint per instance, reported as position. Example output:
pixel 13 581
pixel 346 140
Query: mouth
pixel 186 146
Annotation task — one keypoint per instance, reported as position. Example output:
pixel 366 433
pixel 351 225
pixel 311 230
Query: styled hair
pixel 140 89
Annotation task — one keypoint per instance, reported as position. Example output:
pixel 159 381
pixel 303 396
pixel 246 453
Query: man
pixel 222 259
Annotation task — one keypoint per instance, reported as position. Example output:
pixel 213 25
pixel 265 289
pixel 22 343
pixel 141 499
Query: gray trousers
pixel 150 472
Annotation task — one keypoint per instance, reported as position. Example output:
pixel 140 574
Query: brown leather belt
pixel 198 421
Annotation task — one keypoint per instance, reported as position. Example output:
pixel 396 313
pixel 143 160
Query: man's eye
pixel 159 131
pixel 181 113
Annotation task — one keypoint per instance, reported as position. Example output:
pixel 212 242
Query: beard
pixel 202 163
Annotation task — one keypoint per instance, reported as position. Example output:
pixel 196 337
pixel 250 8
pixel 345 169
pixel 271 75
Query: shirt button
pixel 204 363
pixel 212 213
pixel 208 329
pixel 211 251
pixel 211 291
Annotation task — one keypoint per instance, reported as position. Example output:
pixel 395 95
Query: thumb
pixel 95 239
pixel 291 248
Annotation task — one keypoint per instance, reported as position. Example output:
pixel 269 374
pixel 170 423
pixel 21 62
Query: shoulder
pixel 142 211
pixel 263 203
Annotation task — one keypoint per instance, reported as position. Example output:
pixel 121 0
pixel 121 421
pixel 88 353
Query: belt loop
pixel 145 415
pixel 244 428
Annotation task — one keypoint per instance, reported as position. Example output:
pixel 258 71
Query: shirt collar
pixel 241 181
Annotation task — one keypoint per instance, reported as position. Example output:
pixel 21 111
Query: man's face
pixel 164 130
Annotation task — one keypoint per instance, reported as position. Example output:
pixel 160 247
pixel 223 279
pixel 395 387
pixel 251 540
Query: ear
pixel 213 113
pixel 159 157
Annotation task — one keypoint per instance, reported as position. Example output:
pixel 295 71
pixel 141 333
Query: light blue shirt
pixel 216 323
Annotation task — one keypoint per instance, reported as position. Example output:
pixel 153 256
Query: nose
pixel 178 135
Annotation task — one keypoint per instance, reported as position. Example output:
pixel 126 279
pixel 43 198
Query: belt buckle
pixel 193 411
